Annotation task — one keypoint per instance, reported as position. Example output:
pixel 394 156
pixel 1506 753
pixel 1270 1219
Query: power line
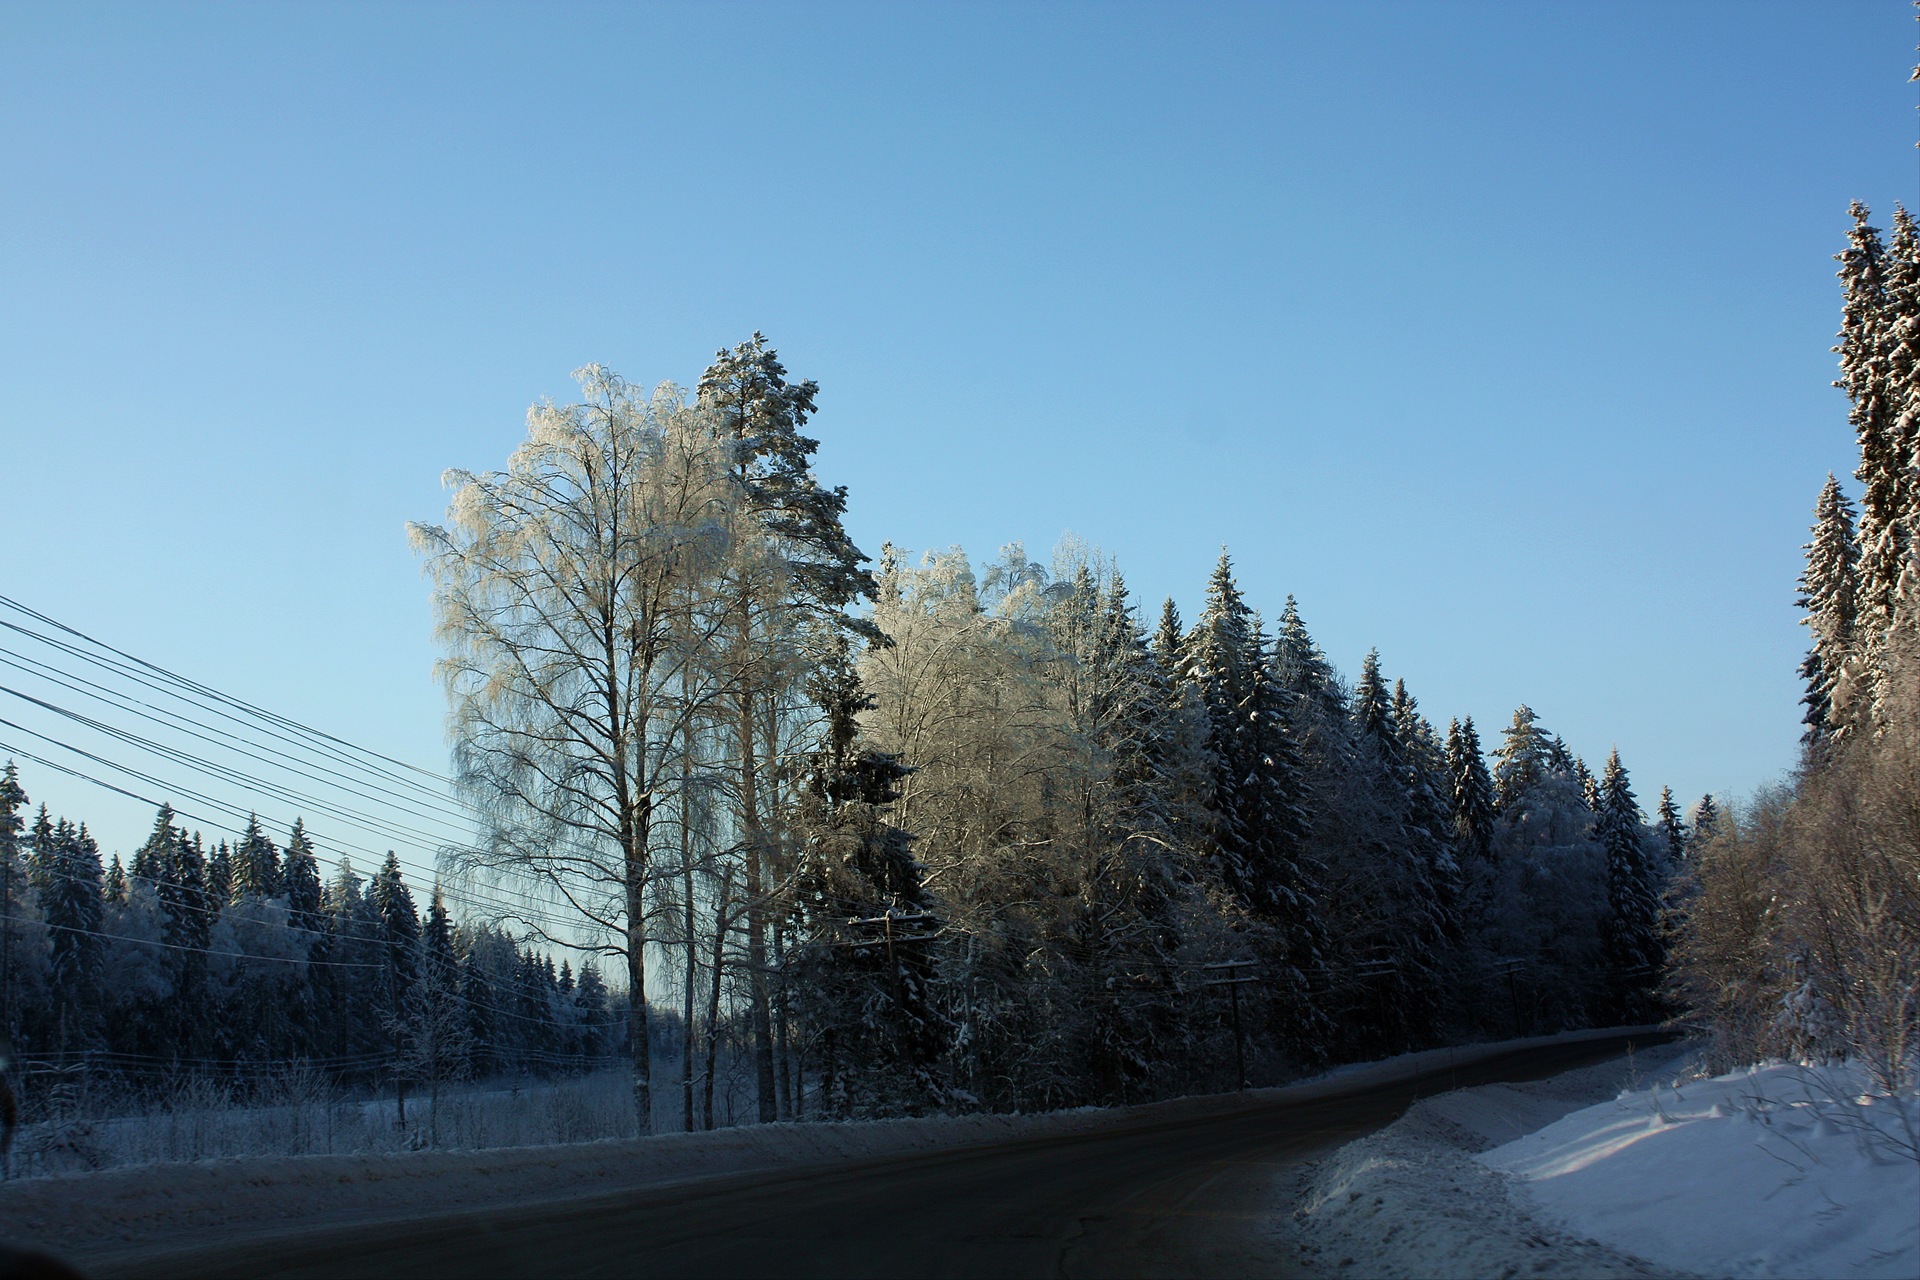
pixel 160 716
pixel 215 694
pixel 404 835
pixel 370 768
pixel 480 905
pixel 365 822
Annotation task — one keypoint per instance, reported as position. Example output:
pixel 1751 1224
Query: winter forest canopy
pixel 880 835
pixel 904 834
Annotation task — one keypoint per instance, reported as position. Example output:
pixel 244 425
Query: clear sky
pixel 1496 333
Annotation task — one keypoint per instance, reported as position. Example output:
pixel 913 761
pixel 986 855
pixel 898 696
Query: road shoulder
pixel 1411 1201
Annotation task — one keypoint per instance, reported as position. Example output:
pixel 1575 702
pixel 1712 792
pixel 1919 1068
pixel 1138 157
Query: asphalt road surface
pixel 1153 1198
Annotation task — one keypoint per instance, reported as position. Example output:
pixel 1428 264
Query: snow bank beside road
pixel 1779 1171
pixel 1411 1201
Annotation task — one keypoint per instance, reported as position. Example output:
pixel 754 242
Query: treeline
pixel 1084 821
pixel 240 960
pixel 941 836
pixel 1799 926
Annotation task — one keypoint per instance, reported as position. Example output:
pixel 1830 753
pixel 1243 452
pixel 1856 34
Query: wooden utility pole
pixel 912 925
pixel 1232 979
pixel 887 923
pixel 1508 968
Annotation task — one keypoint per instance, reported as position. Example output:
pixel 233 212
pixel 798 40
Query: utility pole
pixel 1509 968
pixel 887 923
pixel 1232 979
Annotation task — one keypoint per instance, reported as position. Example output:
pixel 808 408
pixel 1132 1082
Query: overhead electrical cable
pixel 215 694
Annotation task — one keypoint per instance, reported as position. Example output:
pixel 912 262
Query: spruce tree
pixel 150 859
pixel 478 993
pixel 1256 803
pixel 1706 818
pixel 1901 337
pixel 1473 807
pixel 1630 933
pixel 351 999
pixel 441 970
pixel 1589 785
pixel 181 885
pixel 256 864
pixel 72 904
pixel 399 925
pixel 1827 593
pixel 595 1014
pixel 1167 638
pixel 1437 882
pixel 1277 801
pixel 1672 831
pixel 12 882
pixel 433 1036
pixel 1303 670
pixel 1259 799
pixel 42 851
pixel 1183 760
pixel 863 988
pixel 300 877
pixel 392 904
pixel 1430 806
pixel 173 867
pixel 1865 347
pixel 1373 707
pixel 219 877
pixel 1523 759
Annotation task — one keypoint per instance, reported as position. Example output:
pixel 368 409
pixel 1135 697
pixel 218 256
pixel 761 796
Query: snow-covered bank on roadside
pixel 1777 1171
pixel 95 1214
pixel 1412 1201
pixel 1627 1169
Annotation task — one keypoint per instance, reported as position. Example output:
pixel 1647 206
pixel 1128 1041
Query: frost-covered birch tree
pixel 556 584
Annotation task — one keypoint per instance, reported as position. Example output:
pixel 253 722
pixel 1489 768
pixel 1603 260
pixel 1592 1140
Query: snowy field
pixel 1634 1169
pixel 96 1215
pixel 300 1113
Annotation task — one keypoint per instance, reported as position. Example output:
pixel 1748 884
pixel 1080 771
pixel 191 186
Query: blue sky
pixel 1496 333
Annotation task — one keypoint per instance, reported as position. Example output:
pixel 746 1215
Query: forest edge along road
pixel 1145 1196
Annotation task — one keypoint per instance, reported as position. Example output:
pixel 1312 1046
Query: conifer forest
pixel 770 826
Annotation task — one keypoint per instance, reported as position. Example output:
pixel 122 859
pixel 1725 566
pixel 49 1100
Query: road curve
pixel 1152 1198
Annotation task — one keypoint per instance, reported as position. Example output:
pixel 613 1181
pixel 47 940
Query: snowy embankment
pixel 93 1216
pixel 1781 1171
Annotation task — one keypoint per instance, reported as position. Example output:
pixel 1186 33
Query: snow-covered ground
pixel 1778 1171
pixel 98 1214
pixel 1636 1169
